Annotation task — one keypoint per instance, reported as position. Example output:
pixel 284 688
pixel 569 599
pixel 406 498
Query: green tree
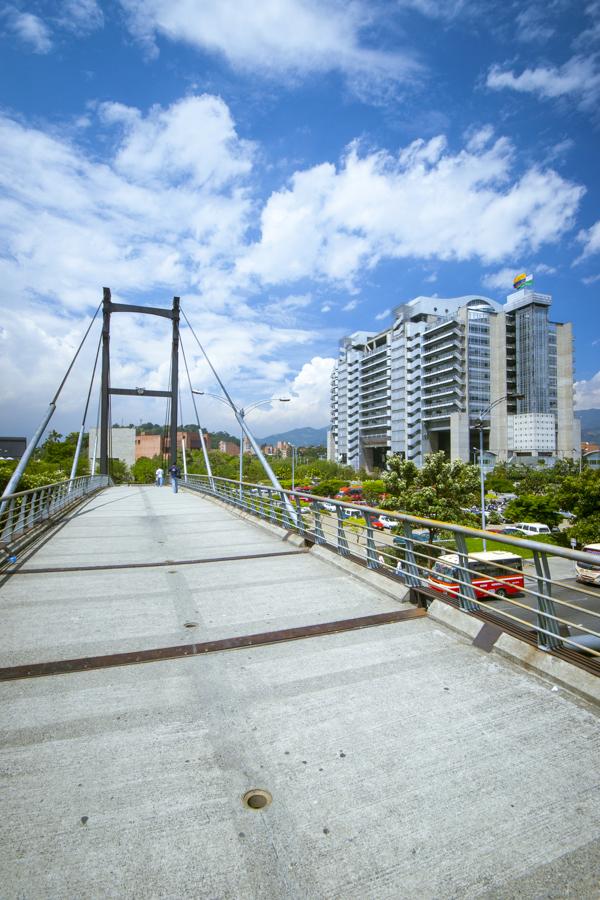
pixel 372 490
pixel 143 470
pixel 59 452
pixel 580 493
pixel 534 508
pixel 439 490
pixel 500 480
pixel 119 471
pixel 330 487
pixel 586 531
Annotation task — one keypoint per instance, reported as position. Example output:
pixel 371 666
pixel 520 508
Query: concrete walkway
pixel 402 761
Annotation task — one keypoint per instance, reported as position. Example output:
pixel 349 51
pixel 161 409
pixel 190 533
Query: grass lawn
pixel 474 545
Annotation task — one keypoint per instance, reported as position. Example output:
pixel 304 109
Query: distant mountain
pixel 590 424
pixel 299 437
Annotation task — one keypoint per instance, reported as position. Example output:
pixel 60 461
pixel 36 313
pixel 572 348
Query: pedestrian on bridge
pixel 175 473
pixel 160 475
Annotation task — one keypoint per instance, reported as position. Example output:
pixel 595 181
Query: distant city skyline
pixel 294 171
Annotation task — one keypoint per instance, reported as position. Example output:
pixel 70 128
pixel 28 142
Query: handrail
pixel 325 522
pixel 24 511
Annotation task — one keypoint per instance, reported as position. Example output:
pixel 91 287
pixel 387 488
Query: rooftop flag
pixel 522 281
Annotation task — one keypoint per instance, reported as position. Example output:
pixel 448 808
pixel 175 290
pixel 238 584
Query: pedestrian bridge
pixel 188 653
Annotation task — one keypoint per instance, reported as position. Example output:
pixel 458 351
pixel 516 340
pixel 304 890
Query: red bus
pixel 493 572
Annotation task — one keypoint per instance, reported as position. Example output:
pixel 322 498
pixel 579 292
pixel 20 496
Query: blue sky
pixel 292 169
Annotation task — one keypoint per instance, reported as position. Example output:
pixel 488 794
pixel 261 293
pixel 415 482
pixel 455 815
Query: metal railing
pixel 23 512
pixel 548 608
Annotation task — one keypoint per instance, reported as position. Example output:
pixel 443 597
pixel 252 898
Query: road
pixel 564 586
pixel 583 596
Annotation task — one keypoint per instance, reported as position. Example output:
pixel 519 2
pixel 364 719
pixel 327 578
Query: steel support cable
pixel 68 372
pixel 85 412
pixel 212 368
pixel 16 475
pixel 93 468
pixel 239 415
pixel 200 433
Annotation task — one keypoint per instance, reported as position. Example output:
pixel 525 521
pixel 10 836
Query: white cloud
pixel 310 394
pixel 287 37
pixel 194 139
pixel 30 29
pixel 591 35
pixel 590 238
pixel 352 304
pixel 425 203
pixel 164 211
pixel 80 16
pixel 499 281
pixel 533 25
pixel 434 9
pixel 284 310
pixel 326 308
pixel 502 280
pixel 578 78
pixel 383 315
pixel 172 222
pixel 587 393
pixel 591 279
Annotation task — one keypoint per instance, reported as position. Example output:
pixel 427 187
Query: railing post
pixel 261 507
pixel 546 611
pixel 372 562
pixel 413 578
pixel 466 591
pixel 301 528
pixel 342 540
pixel 8 528
pixel 272 513
pixel 20 526
pixel 31 513
pixel 319 535
pixel 286 519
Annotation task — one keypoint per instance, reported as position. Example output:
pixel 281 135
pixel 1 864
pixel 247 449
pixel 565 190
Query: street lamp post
pixel 241 414
pixel 183 454
pixel 293 467
pixel 479 425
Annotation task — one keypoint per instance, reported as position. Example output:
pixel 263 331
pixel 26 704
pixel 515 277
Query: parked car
pixel 532 528
pixel 422 535
pixel 387 522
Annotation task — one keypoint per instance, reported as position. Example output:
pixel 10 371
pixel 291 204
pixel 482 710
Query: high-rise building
pixel 447 365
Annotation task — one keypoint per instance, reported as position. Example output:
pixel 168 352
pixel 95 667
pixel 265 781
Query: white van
pixel 589 573
pixel 532 528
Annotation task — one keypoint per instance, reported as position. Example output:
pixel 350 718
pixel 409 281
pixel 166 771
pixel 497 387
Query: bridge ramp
pixel 401 760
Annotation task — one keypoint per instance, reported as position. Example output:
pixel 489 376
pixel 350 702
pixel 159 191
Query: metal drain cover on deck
pixel 256 798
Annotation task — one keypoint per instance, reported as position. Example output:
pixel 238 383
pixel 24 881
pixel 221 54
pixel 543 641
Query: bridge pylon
pixel 108 308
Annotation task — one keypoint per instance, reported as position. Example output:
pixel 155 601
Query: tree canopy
pixel 438 490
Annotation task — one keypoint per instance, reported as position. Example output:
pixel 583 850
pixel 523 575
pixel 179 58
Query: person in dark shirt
pixel 175 473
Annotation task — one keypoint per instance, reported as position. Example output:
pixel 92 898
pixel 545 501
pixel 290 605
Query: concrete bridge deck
pixel 402 761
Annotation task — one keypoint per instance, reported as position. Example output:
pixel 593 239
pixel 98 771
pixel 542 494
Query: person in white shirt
pixel 159 477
